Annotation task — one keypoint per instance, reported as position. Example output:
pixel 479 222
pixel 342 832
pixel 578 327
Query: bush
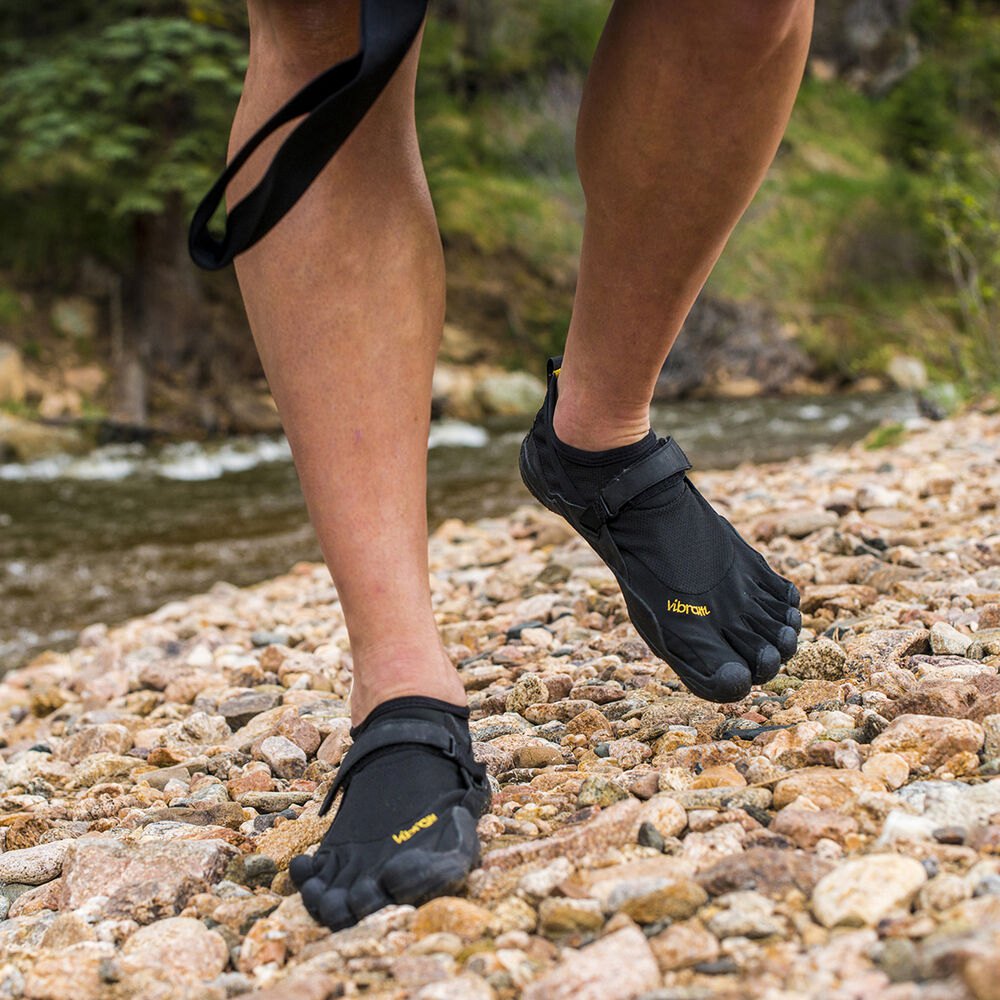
pixel 920 117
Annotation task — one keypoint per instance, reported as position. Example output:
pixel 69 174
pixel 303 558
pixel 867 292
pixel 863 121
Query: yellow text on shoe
pixel 701 610
pixel 421 824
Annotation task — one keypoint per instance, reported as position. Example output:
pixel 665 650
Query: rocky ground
pixel 835 835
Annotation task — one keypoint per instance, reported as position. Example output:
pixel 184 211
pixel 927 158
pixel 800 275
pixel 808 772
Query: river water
pixel 125 529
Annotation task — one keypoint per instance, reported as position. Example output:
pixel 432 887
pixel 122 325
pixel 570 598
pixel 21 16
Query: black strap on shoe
pixel 334 103
pixel 394 733
pixel 666 461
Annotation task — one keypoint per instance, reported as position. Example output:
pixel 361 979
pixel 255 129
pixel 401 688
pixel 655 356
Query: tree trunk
pixel 162 307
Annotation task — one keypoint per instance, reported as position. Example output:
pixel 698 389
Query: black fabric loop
pixel 654 468
pixel 334 103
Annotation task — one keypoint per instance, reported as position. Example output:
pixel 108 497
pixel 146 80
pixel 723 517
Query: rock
pixel 74 317
pixel 824 787
pixel 946 640
pixel 619 966
pixel 907 373
pixel 745 914
pixel 730 344
pixel 529 690
pixel 800 523
pixel 451 915
pixel 598 790
pixel 337 742
pixel 665 814
pixel 239 709
pixel 145 882
pixel 74 971
pixel 927 741
pixel 683 945
pixel 590 723
pixel 951 803
pixel 891 769
pixel 509 394
pixel 822 659
pixel 12 383
pixel 285 759
pixel 33 865
pixel 107 738
pixel 537 753
pixel 881 648
pixel 178 949
pixel 986 643
pixel 26 441
pixel 284 841
pixel 540 882
pixel 767 870
pixel 300 731
pixel 465 987
pixel 845 896
pixel 659 899
pixel 806 827
pixel 559 917
pixel 991 741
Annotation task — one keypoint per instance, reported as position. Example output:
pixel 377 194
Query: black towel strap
pixel 334 103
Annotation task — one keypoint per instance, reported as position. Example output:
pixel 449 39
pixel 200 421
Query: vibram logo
pixel 688 609
pixel 421 824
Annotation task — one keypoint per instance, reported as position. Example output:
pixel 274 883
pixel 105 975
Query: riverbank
pixel 835 835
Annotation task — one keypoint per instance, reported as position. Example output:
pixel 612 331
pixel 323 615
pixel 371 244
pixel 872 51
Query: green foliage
pixel 920 118
pixel 963 206
pixel 118 116
pixel 885 436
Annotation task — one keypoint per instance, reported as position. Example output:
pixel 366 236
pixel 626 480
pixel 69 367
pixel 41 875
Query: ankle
pixel 396 670
pixel 591 425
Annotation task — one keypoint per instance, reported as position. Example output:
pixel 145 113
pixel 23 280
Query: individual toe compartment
pixel 756 650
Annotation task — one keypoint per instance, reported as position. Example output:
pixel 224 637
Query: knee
pixel 305 35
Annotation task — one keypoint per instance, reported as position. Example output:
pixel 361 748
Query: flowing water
pixel 126 528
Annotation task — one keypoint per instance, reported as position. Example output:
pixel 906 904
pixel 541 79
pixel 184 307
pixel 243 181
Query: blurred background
pixel 140 455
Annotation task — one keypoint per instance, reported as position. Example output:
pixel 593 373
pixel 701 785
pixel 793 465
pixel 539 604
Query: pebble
pixel 946 640
pixel 167 769
pixel 619 966
pixel 33 865
pixel 860 892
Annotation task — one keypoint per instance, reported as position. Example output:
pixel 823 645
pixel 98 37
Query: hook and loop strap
pixel 334 103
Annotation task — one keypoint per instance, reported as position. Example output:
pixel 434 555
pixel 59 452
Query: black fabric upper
pixel 702 598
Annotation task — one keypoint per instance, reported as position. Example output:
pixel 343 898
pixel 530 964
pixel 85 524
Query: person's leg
pixel 683 111
pixel 346 302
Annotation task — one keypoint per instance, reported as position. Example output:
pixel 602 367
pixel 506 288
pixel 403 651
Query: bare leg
pixel 683 111
pixel 346 302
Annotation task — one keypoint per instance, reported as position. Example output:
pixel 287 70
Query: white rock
pixel 860 892
pixel 33 865
pixel 946 640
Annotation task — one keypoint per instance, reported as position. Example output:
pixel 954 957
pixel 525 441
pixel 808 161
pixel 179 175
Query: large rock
pixel 33 865
pixel 27 441
pixel 825 787
pixel 726 345
pixel 859 893
pixel 619 966
pixel 75 971
pixel 12 385
pixel 927 741
pixel 145 882
pixel 823 659
pixel 509 394
pixel 179 949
